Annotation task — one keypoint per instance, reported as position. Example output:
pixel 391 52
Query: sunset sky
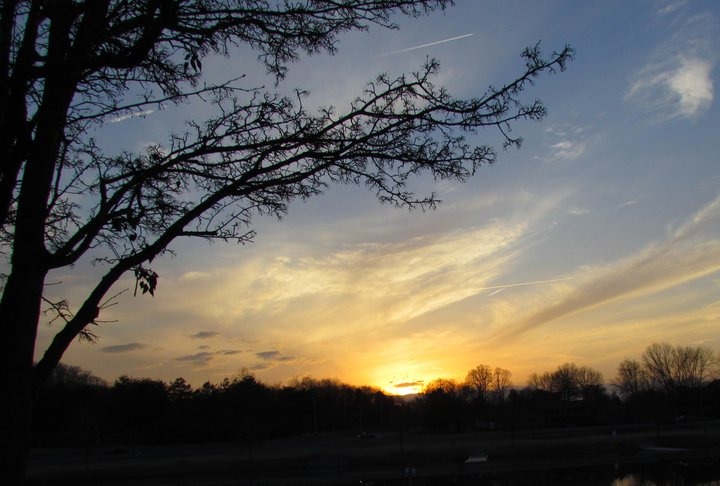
pixel 598 237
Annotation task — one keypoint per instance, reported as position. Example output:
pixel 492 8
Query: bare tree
pixel 569 381
pixel 445 386
pixel 501 384
pixel 72 376
pixel 480 379
pixel 668 368
pixel 631 378
pixel 68 66
pixel 658 362
pixel 693 365
pixel 564 381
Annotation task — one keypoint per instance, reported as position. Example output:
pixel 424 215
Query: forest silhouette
pixel 76 408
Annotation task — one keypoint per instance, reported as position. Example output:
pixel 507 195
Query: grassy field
pixel 525 457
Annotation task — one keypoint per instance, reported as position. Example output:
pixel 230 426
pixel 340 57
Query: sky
pixel 600 236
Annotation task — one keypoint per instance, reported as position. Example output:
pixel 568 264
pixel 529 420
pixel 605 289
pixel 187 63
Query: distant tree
pixel 564 381
pixel 501 384
pixel 70 408
pixel 539 382
pixel 69 66
pixel 590 382
pixel 669 368
pixel 72 376
pixel 631 378
pixel 481 379
pixel 658 363
pixel 137 406
pixel 489 384
pixel 445 386
pixel 446 404
pixel 179 389
pixel 569 382
pixel 693 365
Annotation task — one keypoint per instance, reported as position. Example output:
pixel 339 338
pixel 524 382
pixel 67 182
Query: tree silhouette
pixel 480 379
pixel 670 367
pixel 68 66
pixel 569 382
pixel 631 378
pixel 501 384
pixel 489 383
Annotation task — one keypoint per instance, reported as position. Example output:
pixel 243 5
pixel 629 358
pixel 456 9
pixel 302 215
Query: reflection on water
pixel 635 479
pixel 703 473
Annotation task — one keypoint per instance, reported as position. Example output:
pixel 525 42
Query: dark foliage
pixel 245 410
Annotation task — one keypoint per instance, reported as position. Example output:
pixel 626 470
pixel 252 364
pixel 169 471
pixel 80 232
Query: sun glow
pixel 404 388
pixel 405 380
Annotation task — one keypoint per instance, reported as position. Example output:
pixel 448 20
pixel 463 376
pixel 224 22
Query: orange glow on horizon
pixel 404 389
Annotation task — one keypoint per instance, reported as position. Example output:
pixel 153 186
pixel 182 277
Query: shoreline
pixel 343 458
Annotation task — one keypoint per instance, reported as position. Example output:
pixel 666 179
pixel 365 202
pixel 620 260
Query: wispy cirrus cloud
pixel 626 204
pixel 690 252
pixel 681 87
pixel 566 143
pixel 567 149
pixel 670 6
pixel 677 80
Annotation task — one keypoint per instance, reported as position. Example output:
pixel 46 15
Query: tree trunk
pixel 20 308
pixel 22 296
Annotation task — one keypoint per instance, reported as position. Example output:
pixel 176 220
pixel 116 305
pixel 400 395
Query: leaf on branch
pixel 146 279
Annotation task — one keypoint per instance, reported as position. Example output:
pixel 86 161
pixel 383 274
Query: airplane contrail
pixel 426 45
pixel 500 288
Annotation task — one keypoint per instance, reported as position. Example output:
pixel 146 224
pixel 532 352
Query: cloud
pixel 410 384
pixel 576 211
pixel 671 6
pixel 567 150
pixel 273 356
pixel 567 142
pixel 203 334
pixel 201 358
pixel 677 81
pixel 690 252
pixel 122 348
pixel 682 89
pixel 194 275
pixel 367 288
pixel 627 204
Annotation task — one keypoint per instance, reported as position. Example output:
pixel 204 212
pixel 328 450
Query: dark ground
pixel 569 456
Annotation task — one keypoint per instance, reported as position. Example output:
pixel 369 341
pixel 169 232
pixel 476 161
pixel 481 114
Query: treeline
pixel 670 380
pixel 142 410
pixel 666 384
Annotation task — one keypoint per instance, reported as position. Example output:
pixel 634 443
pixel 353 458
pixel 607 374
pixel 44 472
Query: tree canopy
pixel 68 66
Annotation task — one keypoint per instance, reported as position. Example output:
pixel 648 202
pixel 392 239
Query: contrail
pixel 426 45
pixel 500 288
pixel 131 115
